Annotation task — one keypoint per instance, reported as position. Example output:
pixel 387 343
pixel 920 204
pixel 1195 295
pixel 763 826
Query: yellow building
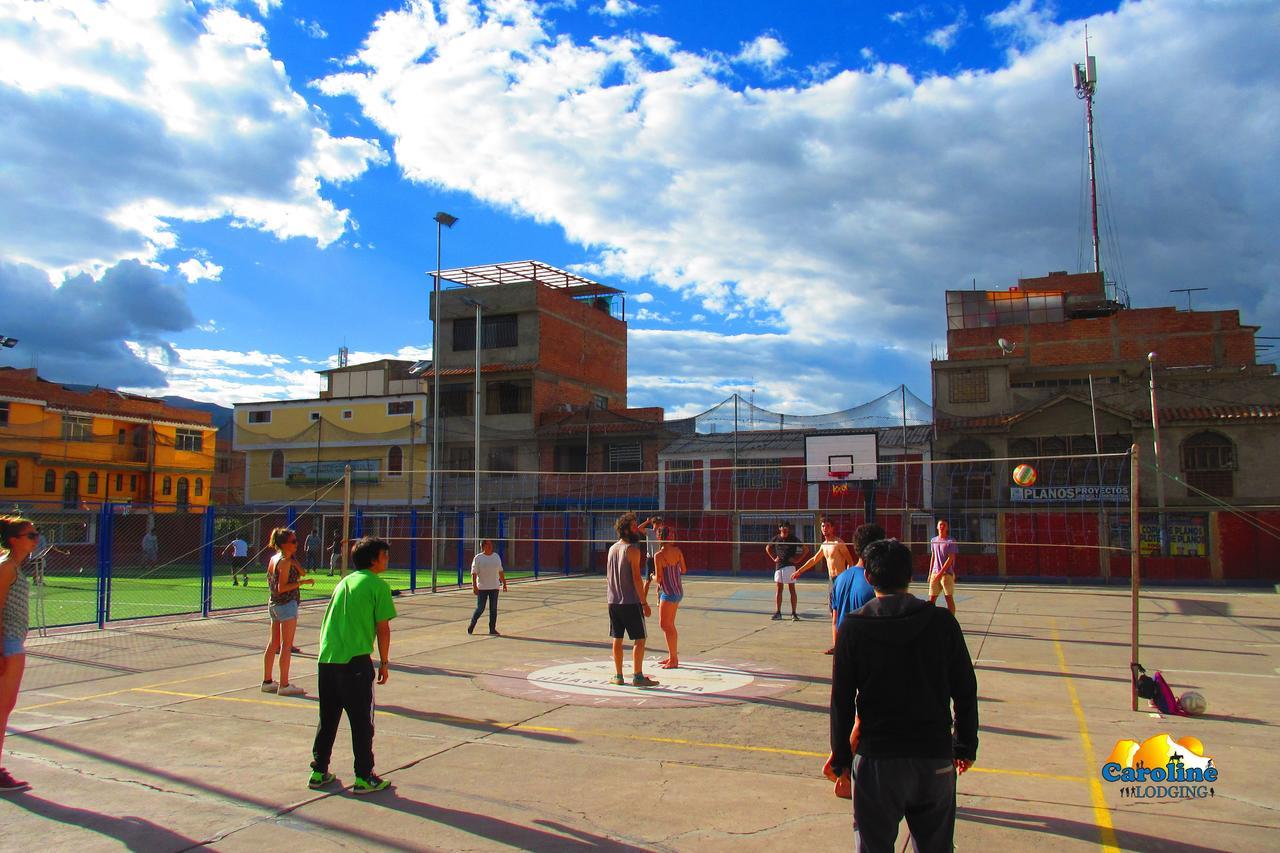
pixel 370 416
pixel 76 448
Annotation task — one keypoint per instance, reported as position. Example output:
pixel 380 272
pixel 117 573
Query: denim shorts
pixel 674 599
pixel 14 646
pixel 283 612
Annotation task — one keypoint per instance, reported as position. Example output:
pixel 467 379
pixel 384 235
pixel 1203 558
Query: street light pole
pixel 1155 442
pixel 447 221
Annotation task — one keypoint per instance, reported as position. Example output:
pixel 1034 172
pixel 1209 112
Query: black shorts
pixel 628 618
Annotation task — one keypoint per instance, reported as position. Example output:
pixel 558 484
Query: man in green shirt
pixel 359 611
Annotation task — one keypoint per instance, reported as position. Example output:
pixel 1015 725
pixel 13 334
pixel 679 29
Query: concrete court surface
pixel 156 737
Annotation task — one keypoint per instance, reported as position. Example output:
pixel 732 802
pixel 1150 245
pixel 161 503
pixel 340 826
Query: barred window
pixel 1209 464
pixel 759 474
pixel 887 473
pixel 455 400
pixel 968 386
pixel 680 472
pixel 11 474
pixel 509 398
pixel 625 457
pixel 400 407
pixel 189 439
pixel 77 428
pixel 91 483
pixel 260 417
pixel 498 330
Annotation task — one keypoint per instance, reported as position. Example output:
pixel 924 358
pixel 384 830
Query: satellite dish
pixel 1005 346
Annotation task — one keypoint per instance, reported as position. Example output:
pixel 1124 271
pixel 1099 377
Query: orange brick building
pixel 1015 386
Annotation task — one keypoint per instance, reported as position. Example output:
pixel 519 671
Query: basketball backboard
pixel 852 454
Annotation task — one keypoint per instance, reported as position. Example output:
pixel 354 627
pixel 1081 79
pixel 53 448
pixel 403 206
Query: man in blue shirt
pixel 851 589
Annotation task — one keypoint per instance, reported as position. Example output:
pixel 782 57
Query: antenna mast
pixel 1086 80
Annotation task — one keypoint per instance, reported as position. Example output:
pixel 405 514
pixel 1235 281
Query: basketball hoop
pixel 838 484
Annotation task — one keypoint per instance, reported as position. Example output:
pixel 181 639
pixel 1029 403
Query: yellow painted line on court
pixel 523 727
pixel 1101 813
pixel 91 697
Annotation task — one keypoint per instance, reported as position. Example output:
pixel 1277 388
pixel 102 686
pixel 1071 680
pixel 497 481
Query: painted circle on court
pixel 588 681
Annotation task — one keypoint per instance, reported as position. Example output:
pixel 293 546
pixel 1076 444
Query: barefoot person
pixel 838 558
pixel 359 614
pixel 942 566
pixel 786 551
pixel 628 606
pixel 284 577
pixel 487 578
pixel 18 538
pixel 670 567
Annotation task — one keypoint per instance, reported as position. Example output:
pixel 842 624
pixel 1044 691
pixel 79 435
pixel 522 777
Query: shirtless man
pixel 838 558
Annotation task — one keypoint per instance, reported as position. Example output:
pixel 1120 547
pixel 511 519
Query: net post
pixel 462 535
pixel 346 519
pixel 206 563
pixel 537 536
pixel 1135 582
pixel 413 550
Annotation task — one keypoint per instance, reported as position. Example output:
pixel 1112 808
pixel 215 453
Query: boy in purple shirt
pixel 942 566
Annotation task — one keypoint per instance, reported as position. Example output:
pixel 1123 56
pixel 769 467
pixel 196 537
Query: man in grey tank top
pixel 628 606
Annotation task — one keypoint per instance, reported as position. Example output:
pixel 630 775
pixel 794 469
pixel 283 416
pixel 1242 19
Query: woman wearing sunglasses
pixel 284 577
pixel 18 538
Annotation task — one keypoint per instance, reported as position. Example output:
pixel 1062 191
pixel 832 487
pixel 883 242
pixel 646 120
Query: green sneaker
pixel 618 679
pixel 370 785
pixel 319 780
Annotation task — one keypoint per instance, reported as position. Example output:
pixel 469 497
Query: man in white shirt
pixel 487 578
pixel 239 550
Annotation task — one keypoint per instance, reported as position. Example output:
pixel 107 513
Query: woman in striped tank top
pixel 18 538
pixel 669 567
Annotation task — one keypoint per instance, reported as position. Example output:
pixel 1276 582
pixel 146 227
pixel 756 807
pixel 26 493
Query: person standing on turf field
pixel 335 555
pixel 487 578
pixel 150 547
pixel 852 589
pixel 669 568
pixel 239 559
pixel 359 613
pixel 942 566
pixel 838 558
pixel 900 667
pixel 284 578
pixel 18 538
pixel 627 597
pixel 785 550
pixel 312 546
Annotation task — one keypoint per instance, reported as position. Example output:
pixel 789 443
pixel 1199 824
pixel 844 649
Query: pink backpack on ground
pixel 1155 688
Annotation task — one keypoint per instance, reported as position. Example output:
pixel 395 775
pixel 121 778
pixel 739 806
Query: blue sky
pixel 208 199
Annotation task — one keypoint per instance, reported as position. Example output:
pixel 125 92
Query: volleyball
pixel 1193 703
pixel 1024 475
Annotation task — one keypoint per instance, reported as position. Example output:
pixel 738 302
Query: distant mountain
pixel 221 414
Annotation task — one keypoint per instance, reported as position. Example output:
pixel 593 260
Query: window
pixel 166 486
pixel 4 414
pixel 91 485
pixel 680 472
pixel 509 398
pixel 277 465
pixel 77 428
pixel 50 481
pixel 70 490
pixel 184 491
pixel 498 330
pixel 625 457
pixel 260 417
pixel 759 474
pixel 346 414
pixel 455 400
pixel 968 386
pixel 968 480
pixel 223 465
pixel 11 474
pixel 133 482
pixel 395 462
pixel 315 416
pixel 119 483
pixel 600 401
pixel 120 437
pixel 502 461
pixel 1209 463
pixel 400 407
pixel 189 439
pixel 459 461
pixel 199 486
pixel 571 458
pixel 886 473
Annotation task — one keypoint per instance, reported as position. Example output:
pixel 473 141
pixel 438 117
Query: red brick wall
pixel 1075 284
pixel 586 348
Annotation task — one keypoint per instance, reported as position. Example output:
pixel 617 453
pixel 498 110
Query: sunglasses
pixel 31 534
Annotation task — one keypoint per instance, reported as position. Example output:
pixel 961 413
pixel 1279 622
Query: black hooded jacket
pixel 899 664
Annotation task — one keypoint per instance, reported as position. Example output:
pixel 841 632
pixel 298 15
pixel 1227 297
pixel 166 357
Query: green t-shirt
pixel 359 603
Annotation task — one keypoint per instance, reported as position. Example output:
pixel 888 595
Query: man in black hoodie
pixel 899 665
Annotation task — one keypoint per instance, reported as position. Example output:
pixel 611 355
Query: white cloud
pixel 1025 21
pixel 943 38
pixel 644 314
pixel 642 297
pixel 311 28
pixel 619 9
pixel 190 118
pixel 861 196
pixel 194 270
pixel 763 51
